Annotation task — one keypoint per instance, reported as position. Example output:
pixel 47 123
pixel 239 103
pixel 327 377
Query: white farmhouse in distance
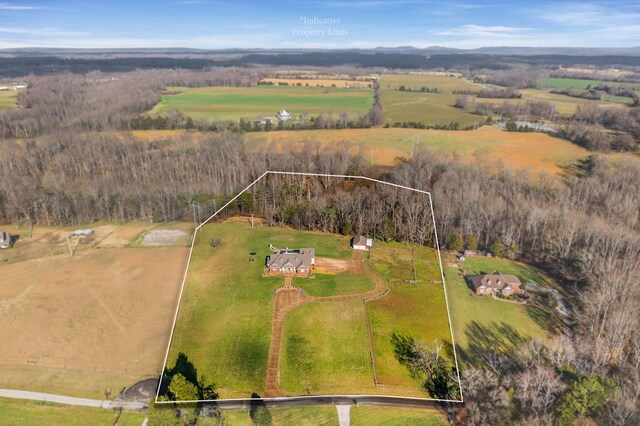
pixel 283 115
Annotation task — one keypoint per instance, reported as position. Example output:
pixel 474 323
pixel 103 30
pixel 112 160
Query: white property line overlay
pixel 184 280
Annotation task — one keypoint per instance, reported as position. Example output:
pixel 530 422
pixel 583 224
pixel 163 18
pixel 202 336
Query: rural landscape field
pixel 319 213
pixel 250 103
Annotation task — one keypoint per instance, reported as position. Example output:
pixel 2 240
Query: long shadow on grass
pixel 494 346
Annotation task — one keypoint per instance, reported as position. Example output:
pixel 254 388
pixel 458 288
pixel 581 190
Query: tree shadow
pixel 494 346
pixel 544 318
pixel 258 411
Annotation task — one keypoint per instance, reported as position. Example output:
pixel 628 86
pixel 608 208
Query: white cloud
pixel 472 30
pixel 18 7
pixel 40 31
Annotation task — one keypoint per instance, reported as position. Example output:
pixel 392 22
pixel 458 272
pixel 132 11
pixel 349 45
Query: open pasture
pixel 8 99
pixel 537 152
pixel 249 103
pixel 85 324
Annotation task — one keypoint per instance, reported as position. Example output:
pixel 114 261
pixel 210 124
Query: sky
pixel 211 24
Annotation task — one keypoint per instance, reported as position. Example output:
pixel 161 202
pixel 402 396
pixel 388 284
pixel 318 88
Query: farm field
pixel 24 413
pixel 8 99
pixel 249 103
pixel 427 108
pixel 581 83
pixel 474 316
pixel 224 324
pixel 537 152
pixel 84 324
pixel 415 309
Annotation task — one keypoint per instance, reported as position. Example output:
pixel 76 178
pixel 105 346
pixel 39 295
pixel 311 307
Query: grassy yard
pixel 418 309
pixel 477 318
pixel 234 103
pixel 334 285
pixel 16 412
pixel 323 415
pixel 427 108
pixel 395 416
pixel 8 99
pixel 224 323
pixel 325 350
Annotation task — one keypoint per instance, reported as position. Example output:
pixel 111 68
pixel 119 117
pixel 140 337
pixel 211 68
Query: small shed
pixel 5 240
pixel 361 243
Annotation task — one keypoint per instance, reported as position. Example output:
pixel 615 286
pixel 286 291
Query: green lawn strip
pixel 334 285
pixel 14 412
pixel 322 415
pixel 581 83
pixel 395 416
pixel 473 314
pixel 226 103
pixel 325 350
pixel 8 99
pixel 224 323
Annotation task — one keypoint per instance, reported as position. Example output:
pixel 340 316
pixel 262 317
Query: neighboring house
pixel 19 86
pixel 5 240
pixel 3 88
pixel 494 283
pixel 292 261
pixel 283 115
pixel 361 243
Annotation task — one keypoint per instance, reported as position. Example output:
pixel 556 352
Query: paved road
pixel 70 400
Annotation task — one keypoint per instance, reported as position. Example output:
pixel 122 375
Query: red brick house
pixel 494 283
pixel 292 261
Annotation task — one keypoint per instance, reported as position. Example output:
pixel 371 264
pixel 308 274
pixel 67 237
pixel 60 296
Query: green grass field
pixel 334 285
pixel 580 83
pixel 325 350
pixel 14 412
pixel 224 322
pixel 475 317
pixel 395 416
pixel 427 108
pixel 322 415
pixel 234 103
pixel 8 99
pixel 417 309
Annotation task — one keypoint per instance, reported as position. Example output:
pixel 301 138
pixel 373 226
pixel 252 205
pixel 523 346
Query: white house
pixel 3 88
pixel 283 115
pixel 361 243
pixel 19 86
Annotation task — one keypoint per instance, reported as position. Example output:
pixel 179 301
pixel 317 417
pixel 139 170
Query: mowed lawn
pixel 396 416
pixel 334 285
pixel 325 350
pixel 537 152
pixel 319 415
pixel 8 99
pixel 427 108
pixel 474 316
pixel 233 103
pixel 418 310
pixel 224 322
pixel 17 412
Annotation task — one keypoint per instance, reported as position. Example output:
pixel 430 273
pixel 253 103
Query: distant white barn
pixel 19 86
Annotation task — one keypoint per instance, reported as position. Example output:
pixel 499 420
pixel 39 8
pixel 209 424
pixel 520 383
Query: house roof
pixel 292 258
pixel 497 281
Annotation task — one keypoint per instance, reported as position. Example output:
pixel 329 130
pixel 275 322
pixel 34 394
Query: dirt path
pixel 289 298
